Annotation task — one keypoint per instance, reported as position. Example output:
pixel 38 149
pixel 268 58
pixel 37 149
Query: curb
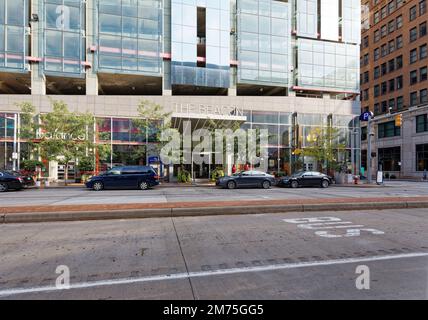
pixel 201 211
pixel 85 215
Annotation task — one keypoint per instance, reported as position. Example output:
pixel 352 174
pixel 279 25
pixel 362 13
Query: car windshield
pixel 298 174
pixel 114 171
pixel 13 173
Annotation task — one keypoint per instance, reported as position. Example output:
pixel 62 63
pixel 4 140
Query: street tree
pixel 64 135
pixel 152 120
pixel 323 145
pixel 58 135
pixel 28 127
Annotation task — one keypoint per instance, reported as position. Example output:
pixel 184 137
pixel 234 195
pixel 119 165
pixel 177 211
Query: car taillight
pixel 21 180
pixel 156 177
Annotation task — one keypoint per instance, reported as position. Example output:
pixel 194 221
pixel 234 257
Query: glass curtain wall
pixel 327 65
pixel 263 42
pixel 7 125
pixel 351 20
pixel 184 24
pixel 63 39
pixel 278 125
pixel 129 36
pixel 307 18
pixel 347 135
pixel 13 38
pixel 129 143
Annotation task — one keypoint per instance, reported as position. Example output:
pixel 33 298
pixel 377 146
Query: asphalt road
pixel 267 256
pixel 76 196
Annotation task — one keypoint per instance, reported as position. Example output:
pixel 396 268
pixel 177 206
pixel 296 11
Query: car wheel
pixel 231 185
pixel 294 184
pixel 144 185
pixel 98 186
pixel 325 184
pixel 266 185
pixel 3 187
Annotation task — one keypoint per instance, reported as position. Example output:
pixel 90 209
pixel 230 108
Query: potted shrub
pixel 184 176
pixel 86 169
pixel 30 166
pixel 217 173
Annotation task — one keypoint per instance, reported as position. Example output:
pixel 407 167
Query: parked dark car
pixel 306 179
pixel 9 182
pixel 129 177
pixel 28 180
pixel 247 179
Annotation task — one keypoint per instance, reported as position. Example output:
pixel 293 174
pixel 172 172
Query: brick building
pixel 394 71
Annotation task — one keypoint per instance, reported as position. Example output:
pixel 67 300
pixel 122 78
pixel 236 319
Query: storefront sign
pixel 205 109
pixel 60 136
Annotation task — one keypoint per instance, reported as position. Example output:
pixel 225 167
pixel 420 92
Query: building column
pixel 38 80
pixel 166 79
pixel 91 83
pixel 231 92
pixel 91 76
pixel 326 95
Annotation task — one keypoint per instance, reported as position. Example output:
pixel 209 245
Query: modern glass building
pixel 285 65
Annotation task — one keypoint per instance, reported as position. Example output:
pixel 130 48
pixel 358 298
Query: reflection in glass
pixel 129 36
pixel 263 42
pixel 13 39
pixel 63 40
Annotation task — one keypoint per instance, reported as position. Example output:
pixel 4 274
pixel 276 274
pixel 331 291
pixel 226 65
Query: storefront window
pixel 421 157
pixel 390 158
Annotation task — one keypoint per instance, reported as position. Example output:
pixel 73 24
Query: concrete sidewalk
pixel 46 213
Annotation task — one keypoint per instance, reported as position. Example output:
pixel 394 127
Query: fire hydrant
pixel 356 178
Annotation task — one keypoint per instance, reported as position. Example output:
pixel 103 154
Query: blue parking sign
pixel 366 116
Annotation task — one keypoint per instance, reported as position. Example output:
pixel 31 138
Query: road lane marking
pixel 208 273
pixel 323 223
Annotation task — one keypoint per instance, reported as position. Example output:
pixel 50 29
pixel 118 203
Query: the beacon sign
pixel 193 109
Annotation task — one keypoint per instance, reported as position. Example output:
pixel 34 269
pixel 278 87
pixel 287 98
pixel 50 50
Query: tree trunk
pixel 66 173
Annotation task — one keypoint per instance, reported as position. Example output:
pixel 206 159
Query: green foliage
pixel 86 164
pixel 323 146
pixel 30 165
pixel 59 135
pixel 184 176
pixel 28 125
pixel 152 119
pixel 217 173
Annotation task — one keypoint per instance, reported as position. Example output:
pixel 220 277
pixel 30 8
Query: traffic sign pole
pixel 369 152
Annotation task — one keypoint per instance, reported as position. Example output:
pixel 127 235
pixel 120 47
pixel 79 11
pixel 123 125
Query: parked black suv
pixel 129 177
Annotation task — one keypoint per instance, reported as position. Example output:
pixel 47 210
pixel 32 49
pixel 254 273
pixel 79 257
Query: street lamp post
pixel 14 149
